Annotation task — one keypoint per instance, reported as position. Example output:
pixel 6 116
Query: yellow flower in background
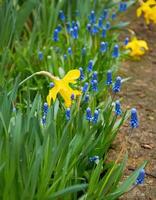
pixel 62 86
pixel 137 47
pixel 148 9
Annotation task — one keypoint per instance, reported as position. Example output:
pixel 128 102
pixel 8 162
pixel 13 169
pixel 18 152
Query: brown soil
pixel 140 92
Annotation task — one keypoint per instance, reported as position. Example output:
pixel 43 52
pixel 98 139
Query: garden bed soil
pixel 140 92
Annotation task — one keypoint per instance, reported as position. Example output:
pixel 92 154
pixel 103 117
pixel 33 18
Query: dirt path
pixel 140 92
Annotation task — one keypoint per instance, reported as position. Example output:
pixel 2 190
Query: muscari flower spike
pixel 51 85
pixel 40 55
pixel 55 35
pixel 141 177
pixel 118 110
pixel 122 7
pixel 94 75
pixel 105 14
pixel 68 27
pixel 103 47
pixel 89 27
pixel 72 97
pixel 104 30
pixel 75 32
pixel 115 53
pixel 85 87
pixel 81 73
pixel 67 113
pixel 108 25
pixel 65 56
pixel 70 51
pixel 90 66
pixel 45 108
pixel 61 15
pixel 88 114
pixel 113 16
pixel 134 122
pixel 92 17
pixel 109 77
pixel 95 85
pixel 86 98
pixel 126 40
pixel 117 85
pixel 96 116
pixel 94 29
pixel 59 27
pixel 100 22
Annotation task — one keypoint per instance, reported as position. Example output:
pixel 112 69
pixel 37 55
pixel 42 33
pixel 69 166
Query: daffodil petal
pixel 71 76
pixel 52 94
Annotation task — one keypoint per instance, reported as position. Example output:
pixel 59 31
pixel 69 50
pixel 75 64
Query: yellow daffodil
pixel 137 47
pixel 147 8
pixel 62 86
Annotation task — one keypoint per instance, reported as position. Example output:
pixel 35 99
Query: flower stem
pixel 45 73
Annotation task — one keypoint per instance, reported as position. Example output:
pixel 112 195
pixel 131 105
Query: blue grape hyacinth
pixel 118 110
pixel 141 177
pixel 67 113
pixel 103 47
pixel 134 122
pixel 81 73
pixel 109 77
pixel 92 17
pixel 88 114
pixel 40 55
pixel 70 51
pixel 90 66
pixel 61 15
pixel 94 159
pixel 104 30
pixel 126 40
pixel 96 116
pixel 85 87
pixel 86 98
pixel 95 85
pixel 55 35
pixel 115 53
pixel 117 85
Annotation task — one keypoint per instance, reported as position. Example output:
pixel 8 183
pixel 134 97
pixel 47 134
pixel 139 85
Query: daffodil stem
pixel 45 73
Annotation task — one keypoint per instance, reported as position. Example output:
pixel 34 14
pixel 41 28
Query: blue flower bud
pixel 40 55
pixel 113 16
pixel 86 98
pixel 85 87
pixel 72 97
pixel 51 85
pixel 126 41
pixel 55 36
pixel 89 27
pixel 117 85
pixel 109 77
pixel 94 29
pixel 100 22
pixel 134 122
pixel 75 33
pixel 122 6
pixel 67 114
pixel 45 108
pixel 141 177
pixel 94 76
pixel 92 17
pixel 104 30
pixel 94 159
pixel 96 116
pixel 43 120
pixel 81 73
pixel 88 114
pixel 59 27
pixel 61 15
pixel 118 110
pixel 115 53
pixel 70 51
pixel 90 66
pixel 65 56
pixel 107 25
pixel 95 85
pixel 103 47
pixel 105 14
